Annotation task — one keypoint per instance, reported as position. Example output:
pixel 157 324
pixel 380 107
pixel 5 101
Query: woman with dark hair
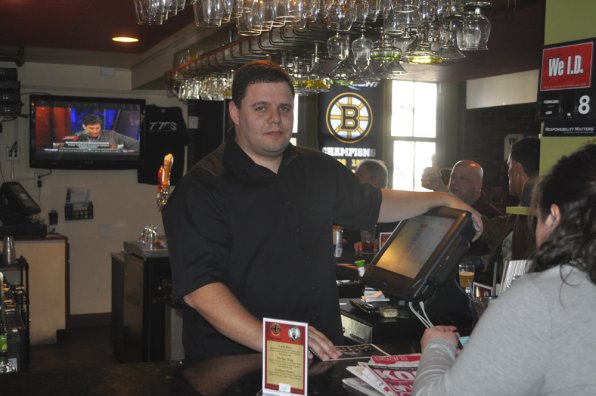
pixel 538 337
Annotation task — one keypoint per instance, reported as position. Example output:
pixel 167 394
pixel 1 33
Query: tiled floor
pixel 79 347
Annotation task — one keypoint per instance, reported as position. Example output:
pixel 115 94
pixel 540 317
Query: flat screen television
pixel 421 254
pixel 59 141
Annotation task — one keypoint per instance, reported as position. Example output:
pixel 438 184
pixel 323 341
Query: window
pixel 413 131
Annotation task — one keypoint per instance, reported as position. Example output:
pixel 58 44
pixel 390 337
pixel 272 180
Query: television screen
pixel 85 133
pixel 421 254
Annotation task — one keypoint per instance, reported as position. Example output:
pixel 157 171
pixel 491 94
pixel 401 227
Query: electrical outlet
pixel 12 153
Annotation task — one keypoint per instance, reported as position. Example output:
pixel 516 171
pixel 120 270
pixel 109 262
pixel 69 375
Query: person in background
pixel 510 237
pixel 93 132
pixel 522 168
pixel 249 227
pixel 537 337
pixel 375 173
pixel 465 182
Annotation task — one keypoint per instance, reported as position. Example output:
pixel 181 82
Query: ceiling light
pixel 125 39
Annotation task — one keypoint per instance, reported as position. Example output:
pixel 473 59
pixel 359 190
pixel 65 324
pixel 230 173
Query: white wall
pixel 503 90
pixel 121 205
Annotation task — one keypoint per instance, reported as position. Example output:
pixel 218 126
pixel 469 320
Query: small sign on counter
pixel 285 357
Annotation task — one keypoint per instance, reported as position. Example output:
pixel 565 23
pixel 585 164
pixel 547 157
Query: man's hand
pixel 445 332
pixel 399 205
pixel 431 179
pixel 320 345
pixel 457 203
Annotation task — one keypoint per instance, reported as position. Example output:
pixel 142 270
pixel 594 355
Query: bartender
pixel 248 226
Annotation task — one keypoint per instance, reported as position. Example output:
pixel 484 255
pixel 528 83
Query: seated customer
pixel 537 337
pixel 373 172
pixel 510 237
pixel 465 182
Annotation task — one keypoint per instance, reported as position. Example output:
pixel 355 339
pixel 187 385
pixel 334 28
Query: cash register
pixel 413 266
pixel 18 212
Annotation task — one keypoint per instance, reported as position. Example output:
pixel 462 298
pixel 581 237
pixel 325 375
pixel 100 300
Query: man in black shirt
pixel 249 227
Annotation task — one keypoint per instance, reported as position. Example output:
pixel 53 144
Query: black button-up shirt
pixel 267 236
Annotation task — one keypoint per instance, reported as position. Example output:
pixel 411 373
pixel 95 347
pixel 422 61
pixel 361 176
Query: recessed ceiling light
pixel 125 39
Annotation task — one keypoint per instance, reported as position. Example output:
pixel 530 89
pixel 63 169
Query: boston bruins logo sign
pixel 349 117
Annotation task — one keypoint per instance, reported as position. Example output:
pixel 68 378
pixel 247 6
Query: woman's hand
pixel 448 333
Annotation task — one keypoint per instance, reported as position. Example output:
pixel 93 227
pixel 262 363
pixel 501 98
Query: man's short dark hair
pixel 257 72
pixel 376 168
pixel 91 119
pixel 527 152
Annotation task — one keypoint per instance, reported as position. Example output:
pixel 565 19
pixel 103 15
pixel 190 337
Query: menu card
pixel 285 357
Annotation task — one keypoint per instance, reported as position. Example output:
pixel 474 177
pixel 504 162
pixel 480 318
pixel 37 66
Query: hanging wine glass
pixel 404 41
pixel 263 12
pixel 387 58
pixel 244 24
pixel 312 10
pixel 449 50
pixel 361 49
pixel 485 26
pixel 406 17
pixel 338 47
pixel 341 14
pixel 361 11
pixel 298 78
pixel 374 9
pixel 475 30
pixel 344 73
pixel 316 81
pixel 289 11
pixel 422 53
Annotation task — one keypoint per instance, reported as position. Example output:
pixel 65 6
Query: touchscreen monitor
pixel 421 254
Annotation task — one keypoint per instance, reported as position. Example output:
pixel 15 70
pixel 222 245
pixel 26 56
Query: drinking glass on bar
pixel 368 239
pixel 466 277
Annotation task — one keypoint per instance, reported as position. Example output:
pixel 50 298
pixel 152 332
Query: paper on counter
pixel 372 295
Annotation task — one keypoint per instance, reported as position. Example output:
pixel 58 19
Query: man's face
pixel 264 120
pixel 92 130
pixel 365 176
pixel 465 183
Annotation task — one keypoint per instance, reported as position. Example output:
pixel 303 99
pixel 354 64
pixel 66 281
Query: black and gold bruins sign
pixel 349 125
pixel 349 117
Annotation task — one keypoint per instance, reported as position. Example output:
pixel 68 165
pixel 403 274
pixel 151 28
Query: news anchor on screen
pixel 93 132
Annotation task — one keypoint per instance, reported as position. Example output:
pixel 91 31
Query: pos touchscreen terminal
pixel 422 254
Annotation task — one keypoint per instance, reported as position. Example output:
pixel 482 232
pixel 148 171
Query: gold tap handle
pixel 168 162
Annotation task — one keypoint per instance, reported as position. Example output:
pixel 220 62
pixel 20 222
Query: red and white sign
pixel 567 67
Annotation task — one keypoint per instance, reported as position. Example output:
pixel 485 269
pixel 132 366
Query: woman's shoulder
pixel 562 285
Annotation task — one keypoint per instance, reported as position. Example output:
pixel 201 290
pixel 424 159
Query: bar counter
pixel 222 376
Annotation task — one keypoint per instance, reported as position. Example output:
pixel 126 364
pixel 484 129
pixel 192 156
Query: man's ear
pixel 517 166
pixel 554 217
pixel 234 112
